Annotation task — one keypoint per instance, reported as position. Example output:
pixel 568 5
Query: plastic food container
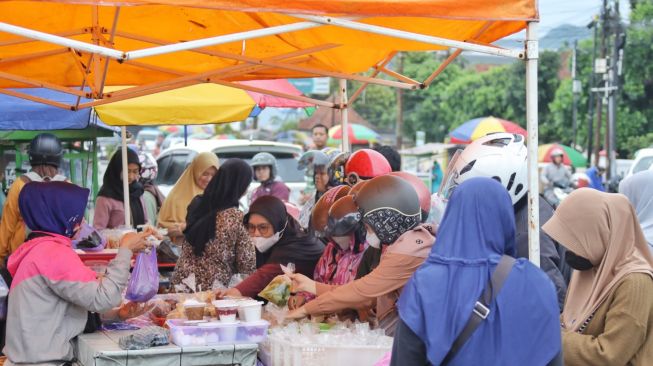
pixel 250 311
pixel 194 312
pixel 214 333
pixel 226 310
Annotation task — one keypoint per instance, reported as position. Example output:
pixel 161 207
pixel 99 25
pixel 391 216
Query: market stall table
pixel 101 349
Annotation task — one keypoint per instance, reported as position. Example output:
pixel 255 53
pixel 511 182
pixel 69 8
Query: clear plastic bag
pixel 90 239
pixel 278 290
pixel 236 279
pixel 144 281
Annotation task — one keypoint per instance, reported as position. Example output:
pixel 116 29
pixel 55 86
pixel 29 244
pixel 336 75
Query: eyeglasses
pixel 263 229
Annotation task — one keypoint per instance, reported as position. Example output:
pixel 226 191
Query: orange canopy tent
pixel 160 45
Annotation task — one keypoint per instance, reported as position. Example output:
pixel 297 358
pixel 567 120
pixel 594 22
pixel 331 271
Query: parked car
pixel 173 161
pixel 643 161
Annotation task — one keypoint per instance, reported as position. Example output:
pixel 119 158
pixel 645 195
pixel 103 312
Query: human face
pixel 262 173
pixel 133 173
pixel 557 160
pixel 321 179
pixel 206 177
pixel 319 138
pixel 259 226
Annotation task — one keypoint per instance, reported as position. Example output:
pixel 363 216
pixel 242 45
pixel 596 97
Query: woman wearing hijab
pixel 216 245
pixel 390 211
pixel 49 299
pixel 523 325
pixel 279 240
pixel 608 313
pixel 109 206
pixel 639 190
pixel 192 182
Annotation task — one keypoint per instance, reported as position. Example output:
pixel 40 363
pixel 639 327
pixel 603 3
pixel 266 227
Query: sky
pixel 554 13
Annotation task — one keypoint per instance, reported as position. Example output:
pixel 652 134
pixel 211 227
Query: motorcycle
pixel 558 192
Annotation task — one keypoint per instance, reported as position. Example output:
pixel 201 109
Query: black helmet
pixel 390 206
pixel 45 149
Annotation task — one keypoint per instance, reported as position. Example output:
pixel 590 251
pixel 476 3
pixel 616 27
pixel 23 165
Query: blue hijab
pixel 53 207
pixel 523 327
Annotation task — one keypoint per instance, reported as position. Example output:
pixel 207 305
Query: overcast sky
pixel 576 12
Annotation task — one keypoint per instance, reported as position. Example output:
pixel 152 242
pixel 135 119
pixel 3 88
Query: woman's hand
pixel 297 314
pixel 133 310
pixel 230 292
pixel 296 301
pixel 301 283
pixel 136 241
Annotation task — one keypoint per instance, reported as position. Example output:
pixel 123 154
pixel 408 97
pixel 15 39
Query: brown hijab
pixel 603 228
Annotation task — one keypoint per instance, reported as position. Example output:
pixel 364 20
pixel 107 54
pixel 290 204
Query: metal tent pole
pixel 125 178
pixel 531 119
pixel 344 125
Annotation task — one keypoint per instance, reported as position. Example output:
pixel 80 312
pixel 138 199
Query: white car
pixel 173 161
pixel 643 161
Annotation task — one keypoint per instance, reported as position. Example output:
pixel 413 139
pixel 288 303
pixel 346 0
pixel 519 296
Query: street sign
pixel 312 86
pixel 577 87
pixel 420 138
pixel 601 65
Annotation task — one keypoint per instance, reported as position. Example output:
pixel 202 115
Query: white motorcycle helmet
pixel 500 156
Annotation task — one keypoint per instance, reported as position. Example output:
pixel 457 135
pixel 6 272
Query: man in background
pixel 320 134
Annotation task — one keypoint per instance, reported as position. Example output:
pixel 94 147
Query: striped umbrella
pixel 479 127
pixel 358 134
pixel 570 155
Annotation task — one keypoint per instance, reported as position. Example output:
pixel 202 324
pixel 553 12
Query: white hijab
pixel 639 190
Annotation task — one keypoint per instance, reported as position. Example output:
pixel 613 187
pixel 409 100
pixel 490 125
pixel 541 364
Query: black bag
pixel 168 252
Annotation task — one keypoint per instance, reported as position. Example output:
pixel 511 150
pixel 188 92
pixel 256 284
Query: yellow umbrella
pixel 196 104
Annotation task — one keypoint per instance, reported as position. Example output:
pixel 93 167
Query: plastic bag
pixel 236 279
pixel 144 281
pixel 168 252
pixel 90 239
pixel 278 290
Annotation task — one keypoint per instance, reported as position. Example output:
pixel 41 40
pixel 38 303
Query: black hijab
pixel 112 186
pixel 294 245
pixel 223 192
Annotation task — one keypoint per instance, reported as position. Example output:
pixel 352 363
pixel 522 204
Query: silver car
pixel 173 161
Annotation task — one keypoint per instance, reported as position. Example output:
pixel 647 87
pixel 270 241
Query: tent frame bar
pixel 531 51
pixel 40 84
pixel 369 28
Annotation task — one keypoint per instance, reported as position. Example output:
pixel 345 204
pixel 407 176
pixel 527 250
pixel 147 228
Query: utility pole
pixel 590 102
pixel 601 70
pixel 613 80
pixel 400 106
pixel 575 89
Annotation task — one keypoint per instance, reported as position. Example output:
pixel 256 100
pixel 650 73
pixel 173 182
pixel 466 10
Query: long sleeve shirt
pixel 12 227
pixel 383 284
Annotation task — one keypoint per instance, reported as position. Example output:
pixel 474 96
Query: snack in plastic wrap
pixel 145 338
pixel 277 291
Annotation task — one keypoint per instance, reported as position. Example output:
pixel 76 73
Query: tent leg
pixel 125 178
pixel 532 126
pixel 344 116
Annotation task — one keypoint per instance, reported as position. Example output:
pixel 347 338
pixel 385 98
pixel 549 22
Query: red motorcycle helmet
pixel 423 192
pixel 365 164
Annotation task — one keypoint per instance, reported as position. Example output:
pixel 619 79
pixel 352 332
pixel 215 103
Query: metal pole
pixel 344 118
pixel 575 90
pixel 125 177
pixel 612 106
pixel 590 102
pixel 599 99
pixel 400 107
pixel 532 121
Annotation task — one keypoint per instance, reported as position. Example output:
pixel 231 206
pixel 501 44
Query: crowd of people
pixel 447 275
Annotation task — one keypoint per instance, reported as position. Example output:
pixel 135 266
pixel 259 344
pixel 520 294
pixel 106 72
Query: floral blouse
pixel 229 253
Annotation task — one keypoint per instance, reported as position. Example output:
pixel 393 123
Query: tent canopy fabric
pixel 21 114
pixel 300 53
pixel 198 104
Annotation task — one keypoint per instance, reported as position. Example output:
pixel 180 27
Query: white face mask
pixel 342 241
pixel 264 244
pixel 373 240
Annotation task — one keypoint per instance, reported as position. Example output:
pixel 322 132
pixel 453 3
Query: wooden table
pixel 101 349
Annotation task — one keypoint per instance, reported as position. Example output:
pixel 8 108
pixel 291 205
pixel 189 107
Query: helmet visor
pixel 449 182
pixel 343 226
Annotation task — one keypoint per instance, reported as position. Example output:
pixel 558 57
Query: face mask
pixel 264 244
pixel 577 262
pixel 373 240
pixel 342 241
